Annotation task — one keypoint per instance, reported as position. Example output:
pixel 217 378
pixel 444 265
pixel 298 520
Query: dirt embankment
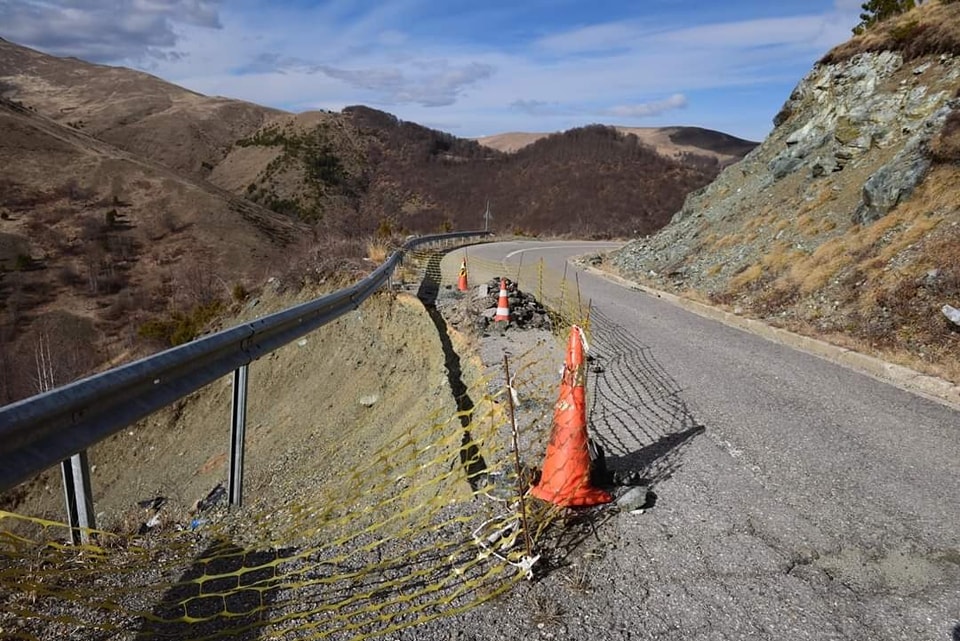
pixel 316 410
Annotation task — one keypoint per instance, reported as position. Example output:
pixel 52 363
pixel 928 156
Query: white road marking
pixel 530 249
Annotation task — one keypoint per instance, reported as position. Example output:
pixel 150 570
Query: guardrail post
pixel 238 420
pixel 79 497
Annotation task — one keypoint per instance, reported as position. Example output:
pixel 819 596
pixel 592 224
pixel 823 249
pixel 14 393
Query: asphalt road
pixel 796 499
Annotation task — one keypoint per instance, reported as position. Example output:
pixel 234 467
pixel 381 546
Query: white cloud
pixel 473 76
pixel 105 30
pixel 429 83
pixel 536 107
pixel 647 109
pixel 599 37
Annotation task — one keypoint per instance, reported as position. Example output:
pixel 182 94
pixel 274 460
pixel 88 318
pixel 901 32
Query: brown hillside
pixel 95 243
pixel 134 111
pixel 364 170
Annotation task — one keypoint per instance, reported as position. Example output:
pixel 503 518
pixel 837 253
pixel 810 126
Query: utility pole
pixel 486 217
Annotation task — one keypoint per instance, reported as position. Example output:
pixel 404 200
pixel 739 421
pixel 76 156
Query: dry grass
pixel 889 279
pixel 816 203
pixel 729 241
pixel 931 28
pixel 780 256
pixel 945 148
pixel 816 270
pixel 545 611
pixel 377 251
pixel 747 277
pixel 807 225
pixel 781 225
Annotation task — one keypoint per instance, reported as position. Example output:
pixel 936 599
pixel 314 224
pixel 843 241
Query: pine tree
pixel 875 11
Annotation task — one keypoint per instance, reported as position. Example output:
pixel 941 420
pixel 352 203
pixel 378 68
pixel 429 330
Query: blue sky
pixel 470 68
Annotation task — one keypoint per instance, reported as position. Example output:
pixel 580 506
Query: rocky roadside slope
pixel 843 223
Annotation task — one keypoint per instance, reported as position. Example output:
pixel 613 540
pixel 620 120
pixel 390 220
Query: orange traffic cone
pixel 565 480
pixel 462 281
pixel 503 305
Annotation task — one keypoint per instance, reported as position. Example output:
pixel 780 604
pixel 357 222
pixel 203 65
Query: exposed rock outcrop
pixel 830 225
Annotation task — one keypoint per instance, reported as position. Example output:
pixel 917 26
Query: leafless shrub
pixel 93 256
pixel 196 282
pixel 92 228
pixel 162 224
pixel 123 306
pixel 68 276
pixel 121 246
pixel 112 279
pixel 73 191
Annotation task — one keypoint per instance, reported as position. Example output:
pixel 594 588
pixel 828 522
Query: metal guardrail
pixel 58 426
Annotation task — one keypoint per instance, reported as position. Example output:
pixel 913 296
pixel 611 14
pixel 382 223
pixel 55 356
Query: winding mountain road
pixel 796 499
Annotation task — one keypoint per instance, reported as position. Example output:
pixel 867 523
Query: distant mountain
pixel 673 142
pixel 364 169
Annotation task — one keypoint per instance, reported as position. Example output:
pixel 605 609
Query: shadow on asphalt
pixel 638 415
pixel 228 588
pixel 956 632
pixel 470 456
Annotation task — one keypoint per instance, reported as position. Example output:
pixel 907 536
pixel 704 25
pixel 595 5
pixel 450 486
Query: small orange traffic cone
pixel 462 281
pixel 503 305
pixel 565 480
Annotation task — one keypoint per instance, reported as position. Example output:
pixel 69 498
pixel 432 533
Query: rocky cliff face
pixel 844 221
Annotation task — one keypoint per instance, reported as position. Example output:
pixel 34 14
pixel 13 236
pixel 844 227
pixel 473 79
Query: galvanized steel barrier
pixel 58 426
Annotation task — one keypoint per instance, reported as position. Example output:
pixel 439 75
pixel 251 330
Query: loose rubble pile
pixel 476 308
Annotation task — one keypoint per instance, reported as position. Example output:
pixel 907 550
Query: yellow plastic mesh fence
pixel 428 525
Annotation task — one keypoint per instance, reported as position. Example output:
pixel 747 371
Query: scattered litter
pixel 215 496
pixel 952 313
pixel 634 500
pixel 369 400
pixel 497 541
pixel 152 504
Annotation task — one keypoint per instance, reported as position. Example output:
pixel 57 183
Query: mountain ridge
pixel 726 148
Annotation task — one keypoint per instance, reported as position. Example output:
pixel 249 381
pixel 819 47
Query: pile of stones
pixel 526 312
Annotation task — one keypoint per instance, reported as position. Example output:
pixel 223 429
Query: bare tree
pixel 197 282
pixel 64 349
pixel 46 375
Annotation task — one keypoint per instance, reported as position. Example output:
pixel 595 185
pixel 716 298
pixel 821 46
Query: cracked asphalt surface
pixel 796 499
